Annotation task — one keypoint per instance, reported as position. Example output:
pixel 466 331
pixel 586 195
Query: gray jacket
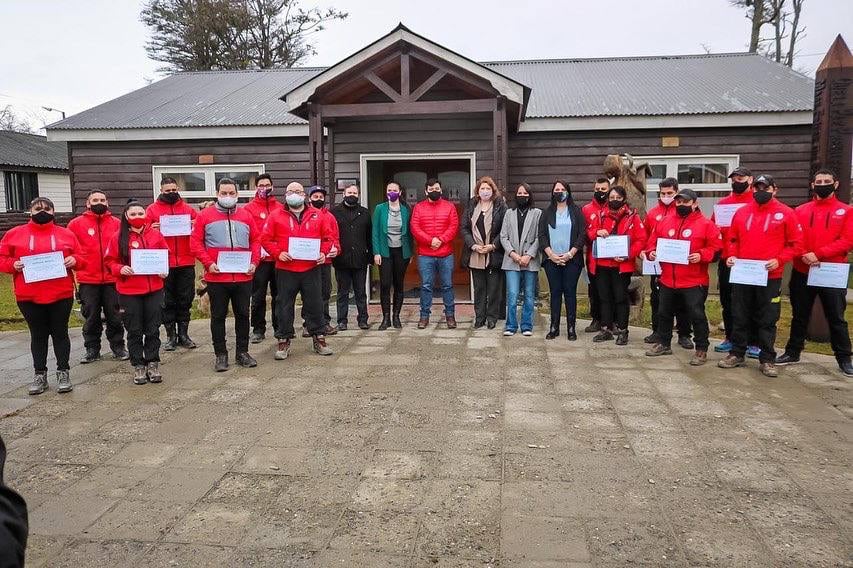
pixel 527 245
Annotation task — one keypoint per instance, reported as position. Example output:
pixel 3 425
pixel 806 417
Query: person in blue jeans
pixel 520 241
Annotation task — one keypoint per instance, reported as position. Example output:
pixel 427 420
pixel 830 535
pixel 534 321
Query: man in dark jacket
pixel 13 521
pixel 354 227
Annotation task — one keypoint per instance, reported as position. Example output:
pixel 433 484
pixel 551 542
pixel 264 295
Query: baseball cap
pixel 765 179
pixel 687 194
pixel 740 171
pixel 315 188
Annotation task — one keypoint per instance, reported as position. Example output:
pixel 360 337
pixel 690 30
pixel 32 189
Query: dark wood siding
pixel 540 157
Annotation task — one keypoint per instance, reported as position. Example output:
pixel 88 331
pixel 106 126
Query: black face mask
pixel 171 198
pixel 762 197
pixel 615 205
pixel 351 200
pixel 42 217
pixel 824 190
pixel 318 203
pixel 522 201
pixel 683 210
pixel 98 208
pixel 600 196
pixel 434 195
pixel 739 186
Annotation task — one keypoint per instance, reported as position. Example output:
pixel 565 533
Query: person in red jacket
pixel 317 199
pixel 765 230
pixel 220 229
pixel 45 304
pixel 827 237
pixel 613 275
pixel 96 286
pixel 180 284
pixel 590 211
pixel 262 207
pixel 140 295
pixel 685 285
pixel 289 236
pixel 434 225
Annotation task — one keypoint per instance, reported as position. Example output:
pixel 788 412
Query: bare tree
pixel 796 32
pixel 784 18
pixel 9 120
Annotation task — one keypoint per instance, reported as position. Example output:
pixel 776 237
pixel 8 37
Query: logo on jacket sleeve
pixel 779 216
pixel 686 233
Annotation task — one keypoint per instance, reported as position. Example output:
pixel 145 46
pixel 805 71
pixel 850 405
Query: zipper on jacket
pixel 148 279
pixel 230 238
pixel 101 248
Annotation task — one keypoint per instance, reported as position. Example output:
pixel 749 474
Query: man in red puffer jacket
pixel 591 211
pixel 94 230
pixel 434 226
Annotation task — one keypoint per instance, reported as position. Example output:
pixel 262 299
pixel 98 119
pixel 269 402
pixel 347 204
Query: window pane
pixel 703 173
pixel 456 185
pixel 21 189
pixel 190 181
pixel 657 175
pixel 245 180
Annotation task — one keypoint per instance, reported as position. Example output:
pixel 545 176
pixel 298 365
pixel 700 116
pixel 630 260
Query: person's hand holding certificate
pixel 749 272
pixel 614 246
pixel 175 225
pixel 234 261
pixel 46 266
pixel 829 275
pixel 148 262
pixel 303 249
pixel 673 251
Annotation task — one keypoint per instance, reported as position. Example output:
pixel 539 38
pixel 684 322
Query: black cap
pixel 740 171
pixel 314 189
pixel 687 194
pixel 766 180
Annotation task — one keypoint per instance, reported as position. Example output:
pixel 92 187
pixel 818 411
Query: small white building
pixel 30 167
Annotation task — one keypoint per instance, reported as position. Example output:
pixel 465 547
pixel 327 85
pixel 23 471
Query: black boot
pixel 571 334
pixel 621 336
pixel 171 338
pixel 184 339
pixel 553 332
pixel 221 363
pixel 396 320
pixel 386 322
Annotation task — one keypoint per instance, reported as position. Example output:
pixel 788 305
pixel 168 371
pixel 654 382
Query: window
pixel 21 189
pixel 706 175
pixel 200 181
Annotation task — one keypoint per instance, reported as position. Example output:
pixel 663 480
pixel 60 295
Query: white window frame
pixel 672 162
pixel 209 171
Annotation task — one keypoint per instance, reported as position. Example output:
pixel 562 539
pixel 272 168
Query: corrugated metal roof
pixel 697 84
pixel 31 151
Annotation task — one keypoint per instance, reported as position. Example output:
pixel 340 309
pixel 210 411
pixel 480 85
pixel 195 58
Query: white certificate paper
pixel 234 261
pixel 303 249
pixel 45 266
pixel 673 251
pixel 749 272
pixel 612 246
pixel 149 261
pixel 723 213
pixel 651 268
pixel 829 275
pixel 175 225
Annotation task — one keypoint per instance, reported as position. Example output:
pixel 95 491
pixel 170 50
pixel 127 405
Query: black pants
pixel 690 302
pixel 563 286
pixel 94 299
pixel 834 301
pixel 487 294
pixel 142 315
pixel 48 321
pixel 326 291
pixel 264 278
pixel 723 273
pixel 238 294
pixel 179 290
pixel 355 280
pixel 594 302
pixel 612 288
pixel 308 285
pixel 682 311
pixel 392 272
pixel 756 307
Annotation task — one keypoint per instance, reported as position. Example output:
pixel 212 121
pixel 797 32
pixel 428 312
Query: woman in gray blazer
pixel 520 241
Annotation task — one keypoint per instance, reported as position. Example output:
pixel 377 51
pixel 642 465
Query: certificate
pixel 303 249
pixel 749 272
pixel 175 225
pixel 234 261
pixel 651 268
pixel 723 213
pixel 673 251
pixel 829 275
pixel 45 266
pixel 149 261
pixel 612 246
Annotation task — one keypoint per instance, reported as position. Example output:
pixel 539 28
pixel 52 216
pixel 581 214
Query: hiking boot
pixel 731 361
pixel 787 359
pixel 603 335
pixel 246 360
pixel 685 342
pixel 769 369
pixel 183 338
pixel 64 380
pixel 593 327
pixel 395 321
pixel 121 354
pixel 39 384
pixel 846 367
pixel 385 323
pixel 423 323
pixel 171 338
pixel 724 347
pixel 257 337
pixel 140 375
pixel 652 338
pixel 622 337
pixel 659 349
pixel 330 330
pixel 699 358
pixel 451 322
pixel 571 334
pixel 221 363
pixel 91 356
pixel 320 347
pixel 283 349
pixel 154 372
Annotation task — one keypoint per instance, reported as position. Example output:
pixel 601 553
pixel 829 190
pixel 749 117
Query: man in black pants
pixel 591 211
pixel 317 200
pixel 355 233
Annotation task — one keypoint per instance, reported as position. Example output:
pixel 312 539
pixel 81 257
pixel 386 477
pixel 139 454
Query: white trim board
pixel 727 120
pixel 178 133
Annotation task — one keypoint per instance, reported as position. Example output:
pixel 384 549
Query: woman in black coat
pixel 562 234
pixel 482 253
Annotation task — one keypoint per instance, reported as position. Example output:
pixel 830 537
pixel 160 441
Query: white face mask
pixel 667 200
pixel 227 202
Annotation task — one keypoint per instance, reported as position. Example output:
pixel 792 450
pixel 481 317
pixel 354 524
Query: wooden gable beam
pixel 383 86
pixel 455 72
pixel 427 85
pixel 357 76
pixel 405 72
pixel 408 108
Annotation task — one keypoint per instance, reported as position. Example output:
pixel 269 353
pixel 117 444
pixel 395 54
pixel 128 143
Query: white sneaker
pixel 508 333
pixel 283 350
pixel 527 333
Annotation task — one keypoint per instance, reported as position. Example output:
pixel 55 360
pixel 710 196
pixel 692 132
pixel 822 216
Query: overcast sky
pixel 73 55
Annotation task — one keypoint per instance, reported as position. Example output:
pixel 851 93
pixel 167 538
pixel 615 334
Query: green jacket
pixel 380 230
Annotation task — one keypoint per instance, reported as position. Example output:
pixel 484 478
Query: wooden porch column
pixel 499 144
pixel 315 144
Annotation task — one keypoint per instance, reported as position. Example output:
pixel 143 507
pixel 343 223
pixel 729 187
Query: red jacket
pixel 94 233
pixel 623 222
pixel 827 230
pixel 135 285
pixel 434 219
pixel 657 214
pixel 764 232
pixel 704 237
pixel 262 209
pixel 284 224
pixel 218 230
pixel 32 238
pixel 732 198
pixel 180 253
pixel 590 211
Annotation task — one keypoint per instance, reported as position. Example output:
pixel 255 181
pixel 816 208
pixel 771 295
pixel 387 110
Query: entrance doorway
pixel 411 171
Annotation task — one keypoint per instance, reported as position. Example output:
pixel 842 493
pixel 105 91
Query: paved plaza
pixel 436 448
